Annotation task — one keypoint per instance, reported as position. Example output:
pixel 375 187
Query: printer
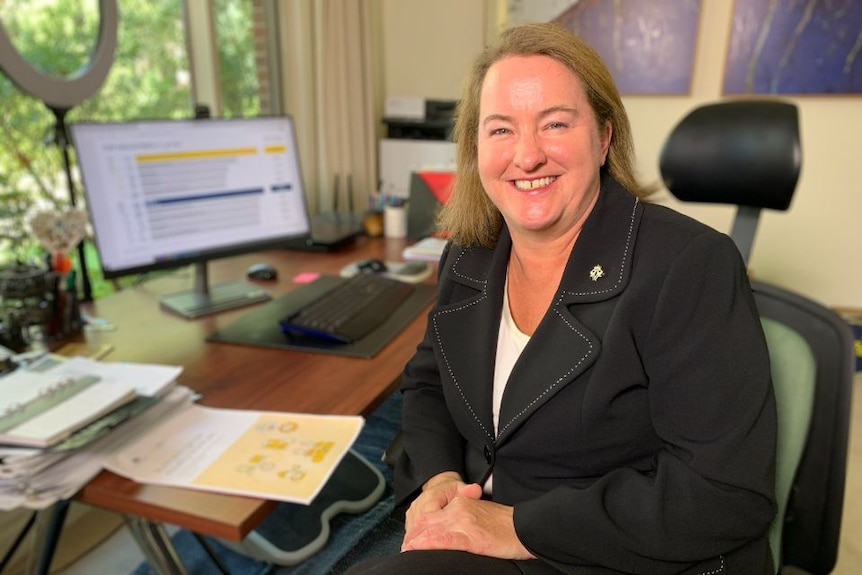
pixel 418 137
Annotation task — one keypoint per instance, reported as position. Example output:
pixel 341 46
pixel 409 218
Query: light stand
pixel 61 94
pixel 61 139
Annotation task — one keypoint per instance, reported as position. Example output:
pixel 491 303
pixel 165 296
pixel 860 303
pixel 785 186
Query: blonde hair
pixel 470 218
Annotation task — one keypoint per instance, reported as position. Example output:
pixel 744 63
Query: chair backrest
pixel 813 360
pixel 741 152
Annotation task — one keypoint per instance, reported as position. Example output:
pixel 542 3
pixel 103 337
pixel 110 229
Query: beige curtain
pixel 330 66
pixel 348 102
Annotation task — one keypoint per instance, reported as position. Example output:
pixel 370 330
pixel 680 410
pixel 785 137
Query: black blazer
pixel 637 429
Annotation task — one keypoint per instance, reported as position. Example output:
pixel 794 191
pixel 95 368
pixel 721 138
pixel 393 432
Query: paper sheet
pixel 147 379
pixel 272 455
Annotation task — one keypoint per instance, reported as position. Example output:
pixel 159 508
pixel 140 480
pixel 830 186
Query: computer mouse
pixel 262 272
pixel 371 266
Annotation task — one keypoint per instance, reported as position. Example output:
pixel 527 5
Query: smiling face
pixel 539 147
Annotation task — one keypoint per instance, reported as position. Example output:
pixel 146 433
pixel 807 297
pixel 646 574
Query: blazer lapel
pixel 601 262
pixel 466 332
pixel 562 347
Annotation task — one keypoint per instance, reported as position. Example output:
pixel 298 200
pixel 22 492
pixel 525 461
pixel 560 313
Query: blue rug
pixel 347 531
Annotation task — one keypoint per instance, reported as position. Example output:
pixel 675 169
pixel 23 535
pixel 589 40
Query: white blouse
pixel 511 341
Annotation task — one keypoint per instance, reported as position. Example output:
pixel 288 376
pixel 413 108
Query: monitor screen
pixel 166 193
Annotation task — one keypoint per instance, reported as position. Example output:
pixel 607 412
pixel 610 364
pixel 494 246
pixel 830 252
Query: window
pixel 241 36
pixel 151 77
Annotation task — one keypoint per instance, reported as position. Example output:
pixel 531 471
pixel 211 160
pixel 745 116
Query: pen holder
pixel 395 221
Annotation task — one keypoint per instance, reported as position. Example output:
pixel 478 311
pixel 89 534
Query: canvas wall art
pixel 648 46
pixel 795 47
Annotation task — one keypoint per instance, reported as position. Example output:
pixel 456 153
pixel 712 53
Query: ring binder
pixel 17 412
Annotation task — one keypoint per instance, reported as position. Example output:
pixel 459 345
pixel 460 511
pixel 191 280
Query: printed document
pixel 271 455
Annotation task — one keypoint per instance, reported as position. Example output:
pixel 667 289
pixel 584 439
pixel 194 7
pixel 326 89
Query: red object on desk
pixel 440 184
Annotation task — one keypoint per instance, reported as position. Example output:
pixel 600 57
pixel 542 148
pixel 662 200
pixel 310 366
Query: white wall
pixel 428 45
pixel 812 248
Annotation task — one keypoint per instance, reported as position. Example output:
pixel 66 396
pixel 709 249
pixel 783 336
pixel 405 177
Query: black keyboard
pixel 350 310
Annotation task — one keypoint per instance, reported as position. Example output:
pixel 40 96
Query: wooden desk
pixel 241 377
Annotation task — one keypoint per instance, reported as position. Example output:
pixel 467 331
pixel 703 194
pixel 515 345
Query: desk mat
pixel 259 327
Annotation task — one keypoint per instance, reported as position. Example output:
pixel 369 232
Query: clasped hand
pixel 451 514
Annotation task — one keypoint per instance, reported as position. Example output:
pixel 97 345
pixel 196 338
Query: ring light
pixel 64 92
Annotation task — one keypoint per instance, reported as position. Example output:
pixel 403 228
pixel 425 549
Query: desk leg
pixel 156 546
pixel 49 524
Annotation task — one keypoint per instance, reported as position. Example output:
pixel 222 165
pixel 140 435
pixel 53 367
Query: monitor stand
pixel 205 299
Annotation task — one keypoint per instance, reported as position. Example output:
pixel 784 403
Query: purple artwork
pixel 795 47
pixel 648 46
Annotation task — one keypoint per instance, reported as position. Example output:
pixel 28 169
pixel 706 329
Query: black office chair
pixel 744 152
pixel 813 361
pixel 748 153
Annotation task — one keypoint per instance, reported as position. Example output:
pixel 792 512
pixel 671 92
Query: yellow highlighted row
pixel 280 149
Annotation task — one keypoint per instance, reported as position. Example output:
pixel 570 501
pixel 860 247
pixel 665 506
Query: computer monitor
pixel 168 193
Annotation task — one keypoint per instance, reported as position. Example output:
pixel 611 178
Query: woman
pixel 593 391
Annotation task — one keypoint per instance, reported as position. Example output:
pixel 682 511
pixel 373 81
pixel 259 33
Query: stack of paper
pixel 48 402
pixel 57 415
pixel 163 437
pixel 39 410
pixel 427 249
pixel 39 479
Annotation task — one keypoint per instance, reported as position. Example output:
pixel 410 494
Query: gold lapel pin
pixel 596 273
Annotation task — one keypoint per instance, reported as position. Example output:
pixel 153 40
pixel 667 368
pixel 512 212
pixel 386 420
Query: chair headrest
pixel 744 152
